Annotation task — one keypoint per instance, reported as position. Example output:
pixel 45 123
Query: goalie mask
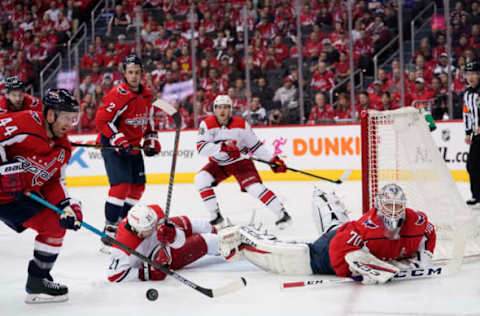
pixel 142 219
pixel 390 204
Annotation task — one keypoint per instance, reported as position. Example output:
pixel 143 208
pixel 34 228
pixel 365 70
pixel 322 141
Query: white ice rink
pixel 83 268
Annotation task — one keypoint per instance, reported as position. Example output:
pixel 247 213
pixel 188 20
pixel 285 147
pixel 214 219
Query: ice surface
pixel 82 267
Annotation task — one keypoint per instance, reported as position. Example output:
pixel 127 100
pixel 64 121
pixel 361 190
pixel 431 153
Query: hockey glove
pixel 166 233
pixel 149 272
pixel 12 178
pixel 119 140
pixel 72 216
pixel 368 268
pixel 278 165
pixel 231 149
pixel 151 145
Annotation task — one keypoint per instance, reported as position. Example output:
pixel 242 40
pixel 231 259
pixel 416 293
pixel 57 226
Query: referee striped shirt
pixel 471 109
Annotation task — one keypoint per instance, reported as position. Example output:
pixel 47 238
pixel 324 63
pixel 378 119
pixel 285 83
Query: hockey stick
pixel 410 274
pixel 101 146
pixel 340 180
pixel 225 289
pixel 170 110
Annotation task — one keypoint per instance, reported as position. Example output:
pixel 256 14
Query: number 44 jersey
pixel 23 138
pixel 368 232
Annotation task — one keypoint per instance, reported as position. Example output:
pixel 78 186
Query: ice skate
pixel 45 291
pixel 284 221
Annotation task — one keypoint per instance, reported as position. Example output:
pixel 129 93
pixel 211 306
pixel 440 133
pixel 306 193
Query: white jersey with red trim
pixel 211 135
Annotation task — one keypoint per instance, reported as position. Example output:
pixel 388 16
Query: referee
pixel 471 116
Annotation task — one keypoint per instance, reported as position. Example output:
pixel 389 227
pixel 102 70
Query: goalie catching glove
pixel 149 272
pixel 278 165
pixel 151 144
pixel 72 214
pixel 368 268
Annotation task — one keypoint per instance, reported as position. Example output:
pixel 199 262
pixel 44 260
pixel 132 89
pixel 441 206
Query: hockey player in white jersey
pixel 223 137
pixel 186 240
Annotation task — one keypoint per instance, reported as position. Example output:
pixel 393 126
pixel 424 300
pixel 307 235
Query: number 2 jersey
pixel 211 135
pixel 368 231
pixel 127 112
pixel 23 138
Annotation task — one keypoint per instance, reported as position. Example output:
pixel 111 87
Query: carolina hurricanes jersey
pixel 368 231
pixel 211 135
pixel 127 112
pixel 23 138
pixel 29 103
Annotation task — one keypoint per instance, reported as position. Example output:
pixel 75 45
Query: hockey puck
pixel 152 294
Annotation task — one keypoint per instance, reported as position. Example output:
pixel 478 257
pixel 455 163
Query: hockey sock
pixel 45 252
pixel 209 200
pixel 267 197
pixel 126 207
pixel 112 213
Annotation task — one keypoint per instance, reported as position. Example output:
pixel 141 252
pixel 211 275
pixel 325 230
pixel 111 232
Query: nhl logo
pixel 445 135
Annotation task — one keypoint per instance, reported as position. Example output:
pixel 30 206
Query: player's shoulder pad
pixel 126 237
pixel 237 122
pixel 211 122
pixel 415 218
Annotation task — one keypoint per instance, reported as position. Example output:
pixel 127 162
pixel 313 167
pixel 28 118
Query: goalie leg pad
pixel 373 270
pixel 327 210
pixel 273 255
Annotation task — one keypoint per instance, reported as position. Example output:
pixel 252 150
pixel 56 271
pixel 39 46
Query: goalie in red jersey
pixel 144 230
pixel 16 99
pixel 386 239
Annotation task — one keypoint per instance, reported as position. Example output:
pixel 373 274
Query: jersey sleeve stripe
pixel 255 147
pixel 111 124
pixel 119 276
pixel 201 145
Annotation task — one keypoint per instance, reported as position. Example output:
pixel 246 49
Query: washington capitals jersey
pixel 211 135
pixel 29 103
pixel 368 231
pixel 126 112
pixel 44 160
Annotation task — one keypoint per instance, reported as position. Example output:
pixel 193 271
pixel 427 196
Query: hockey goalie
pixel 388 238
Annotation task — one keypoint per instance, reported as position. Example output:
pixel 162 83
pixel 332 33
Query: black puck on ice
pixel 152 294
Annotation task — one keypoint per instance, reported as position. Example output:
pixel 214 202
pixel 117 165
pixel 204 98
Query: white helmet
pixel 390 204
pixel 142 218
pixel 222 99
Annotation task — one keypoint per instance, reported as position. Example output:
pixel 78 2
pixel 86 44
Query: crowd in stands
pixel 33 31
pixel 165 48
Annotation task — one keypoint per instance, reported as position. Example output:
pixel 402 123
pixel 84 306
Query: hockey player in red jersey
pixel 124 120
pixel 387 238
pixel 35 152
pixel 144 230
pixel 222 138
pixel 16 99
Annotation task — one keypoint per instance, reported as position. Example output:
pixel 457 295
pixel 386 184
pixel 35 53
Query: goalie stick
pixel 410 274
pixel 170 110
pixel 222 290
pixel 340 180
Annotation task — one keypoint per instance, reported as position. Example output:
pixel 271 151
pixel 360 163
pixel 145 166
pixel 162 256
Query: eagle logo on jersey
pixel 122 91
pixel 420 219
pixel 370 224
pixel 138 121
pixel 36 117
pixel 39 171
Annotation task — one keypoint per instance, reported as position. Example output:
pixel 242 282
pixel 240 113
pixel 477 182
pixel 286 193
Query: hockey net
pixel 397 147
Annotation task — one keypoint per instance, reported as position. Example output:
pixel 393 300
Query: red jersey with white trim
pixel 368 231
pixel 127 112
pixel 211 135
pixel 23 138
pixel 29 103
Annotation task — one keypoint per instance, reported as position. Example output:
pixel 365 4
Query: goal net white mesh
pixel 397 147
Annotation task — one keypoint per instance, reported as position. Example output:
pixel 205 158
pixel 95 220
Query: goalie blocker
pixel 373 248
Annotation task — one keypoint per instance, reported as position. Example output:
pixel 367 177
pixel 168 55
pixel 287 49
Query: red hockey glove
pixel 278 165
pixel 119 140
pixel 151 145
pixel 72 216
pixel 12 178
pixel 231 149
pixel 149 272
pixel 166 233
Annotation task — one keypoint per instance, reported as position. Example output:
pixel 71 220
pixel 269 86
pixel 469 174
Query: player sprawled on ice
pixel 35 151
pixel 386 239
pixel 124 120
pixel 16 99
pixel 145 230
pixel 222 138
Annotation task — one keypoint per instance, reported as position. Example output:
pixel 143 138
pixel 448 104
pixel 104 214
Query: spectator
pixel 87 120
pixel 120 20
pixel 53 11
pixel 87 86
pixel 322 111
pixel 442 65
pixel 363 104
pixel 420 93
pixel 270 62
pixel 90 57
pixel 342 67
pixel 72 12
pixel 343 110
pixel 256 115
pixel 240 90
pixel 387 102
pixel 322 79
pixel 376 95
pixel 276 117
pixel 37 54
pixel 286 95
pixel 264 93
pixel 238 106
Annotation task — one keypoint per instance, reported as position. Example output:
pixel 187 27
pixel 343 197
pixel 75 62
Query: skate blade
pixel 42 298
